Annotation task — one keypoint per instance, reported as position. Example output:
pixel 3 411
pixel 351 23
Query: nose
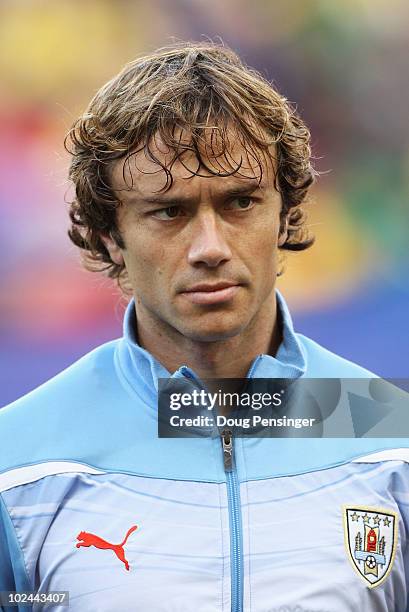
pixel 208 244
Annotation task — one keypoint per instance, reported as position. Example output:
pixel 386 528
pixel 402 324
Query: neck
pixel 228 358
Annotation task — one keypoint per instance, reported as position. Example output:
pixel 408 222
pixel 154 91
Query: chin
pixel 213 333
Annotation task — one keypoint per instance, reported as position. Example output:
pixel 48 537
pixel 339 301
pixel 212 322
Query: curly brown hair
pixel 192 88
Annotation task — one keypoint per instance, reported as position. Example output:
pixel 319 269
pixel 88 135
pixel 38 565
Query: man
pixel 190 171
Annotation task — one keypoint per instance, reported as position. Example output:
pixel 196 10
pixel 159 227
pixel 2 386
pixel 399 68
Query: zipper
pixel 236 536
pixel 234 506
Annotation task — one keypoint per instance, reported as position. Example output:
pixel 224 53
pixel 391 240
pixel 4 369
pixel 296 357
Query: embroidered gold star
pixel 376 520
pixel 354 516
pixel 386 521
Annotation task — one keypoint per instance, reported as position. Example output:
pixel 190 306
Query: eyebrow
pixel 245 188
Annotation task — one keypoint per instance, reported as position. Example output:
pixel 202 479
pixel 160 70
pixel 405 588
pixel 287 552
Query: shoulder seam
pixel 25 474
pixel 390 454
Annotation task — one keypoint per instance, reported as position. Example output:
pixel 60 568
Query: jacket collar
pixel 141 370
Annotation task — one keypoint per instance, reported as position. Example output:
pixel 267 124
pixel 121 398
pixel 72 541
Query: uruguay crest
pixel 371 536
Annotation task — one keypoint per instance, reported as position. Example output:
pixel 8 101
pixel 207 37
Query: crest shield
pixel 371 536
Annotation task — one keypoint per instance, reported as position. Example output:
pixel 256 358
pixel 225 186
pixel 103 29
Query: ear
pixel 283 235
pixel 113 249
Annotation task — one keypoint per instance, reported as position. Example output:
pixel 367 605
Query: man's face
pixel 201 257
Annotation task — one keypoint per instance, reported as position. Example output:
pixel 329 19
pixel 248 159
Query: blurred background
pixel 344 63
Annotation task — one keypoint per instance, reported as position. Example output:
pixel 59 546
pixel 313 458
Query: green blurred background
pixel 344 64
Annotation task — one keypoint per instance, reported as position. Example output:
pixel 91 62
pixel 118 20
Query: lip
pixel 216 293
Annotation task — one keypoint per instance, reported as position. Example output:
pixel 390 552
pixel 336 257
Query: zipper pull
pixel 227 443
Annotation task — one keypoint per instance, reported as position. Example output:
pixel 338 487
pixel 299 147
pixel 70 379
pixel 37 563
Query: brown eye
pixel 172 211
pixel 244 202
pixel 240 203
pixel 165 214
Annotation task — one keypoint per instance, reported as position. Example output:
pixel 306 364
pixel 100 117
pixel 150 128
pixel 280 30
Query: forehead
pixel 225 160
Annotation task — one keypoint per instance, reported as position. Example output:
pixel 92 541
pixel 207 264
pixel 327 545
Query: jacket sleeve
pixel 13 574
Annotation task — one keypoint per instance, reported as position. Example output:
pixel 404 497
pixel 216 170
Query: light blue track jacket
pixel 93 502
